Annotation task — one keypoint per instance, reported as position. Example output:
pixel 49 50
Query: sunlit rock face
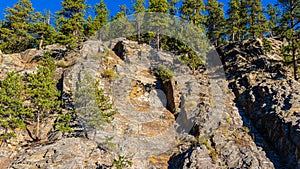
pixel 190 121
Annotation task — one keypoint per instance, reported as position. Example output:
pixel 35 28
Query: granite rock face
pixel 267 94
pixel 191 121
pixel 65 153
pixel 221 139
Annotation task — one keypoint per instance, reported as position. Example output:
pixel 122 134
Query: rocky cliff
pixel 267 94
pixel 192 121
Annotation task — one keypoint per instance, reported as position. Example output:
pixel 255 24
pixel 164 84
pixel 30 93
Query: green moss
pixel 228 120
pixel 204 140
pixel 246 129
pixel 108 73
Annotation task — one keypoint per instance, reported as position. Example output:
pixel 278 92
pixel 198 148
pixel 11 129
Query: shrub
pixel 122 162
pixel 108 73
pixel 164 73
pixel 267 45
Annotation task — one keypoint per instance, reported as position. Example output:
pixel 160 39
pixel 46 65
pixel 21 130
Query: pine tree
pixel 89 27
pixel 159 6
pixel 15 32
pixel 215 21
pixel 101 17
pixel 120 26
pixel 244 19
pixel 12 110
pixel 42 91
pixel 139 9
pixel 234 19
pixel 43 31
pixel 258 22
pixel 122 13
pixel 289 23
pixel 93 107
pixel 70 22
pixel 272 12
pixel 193 11
pixel 173 9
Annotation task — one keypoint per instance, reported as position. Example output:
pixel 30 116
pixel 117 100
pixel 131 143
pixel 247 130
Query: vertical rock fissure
pixel 167 87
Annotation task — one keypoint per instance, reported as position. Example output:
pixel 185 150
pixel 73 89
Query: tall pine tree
pixel 273 13
pixel 100 20
pixel 43 31
pixel 173 9
pixel 258 22
pixel 289 23
pixel 244 19
pixel 12 110
pixel 159 6
pixel 139 9
pixel 15 33
pixel 70 22
pixel 215 21
pixel 193 11
pixel 42 91
pixel 233 20
pixel 102 14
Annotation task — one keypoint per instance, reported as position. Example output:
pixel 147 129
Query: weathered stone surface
pixel 66 153
pixel 191 122
pixel 225 145
pixel 269 97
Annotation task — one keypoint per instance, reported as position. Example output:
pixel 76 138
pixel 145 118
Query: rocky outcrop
pixel 65 153
pixel 222 139
pixel 267 95
pixel 190 122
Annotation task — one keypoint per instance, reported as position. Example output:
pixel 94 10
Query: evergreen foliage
pixel 234 19
pixel 63 122
pixel 120 26
pixel 70 22
pixel 102 14
pixel 43 31
pixel 93 107
pixel 244 21
pixel 13 112
pixel 215 21
pixel 172 7
pixel 164 73
pixel 273 13
pixel 193 11
pixel 16 32
pixel 100 20
pixel 42 92
pixel 158 23
pixel 289 23
pixel 258 23
pixel 139 9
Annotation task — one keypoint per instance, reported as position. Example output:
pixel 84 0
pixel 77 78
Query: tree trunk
pixel 37 132
pixel 139 31
pixel 158 40
pixel 95 132
pixel 295 59
pixel 295 63
pixel 41 42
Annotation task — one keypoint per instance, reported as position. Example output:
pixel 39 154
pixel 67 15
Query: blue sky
pixel 113 5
